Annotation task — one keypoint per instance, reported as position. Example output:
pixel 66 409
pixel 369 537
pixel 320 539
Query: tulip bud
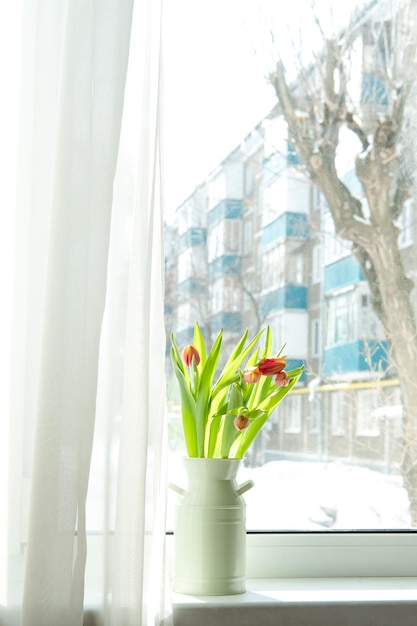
pixel 269 367
pixel 281 379
pixel 251 375
pixel 189 353
pixel 241 422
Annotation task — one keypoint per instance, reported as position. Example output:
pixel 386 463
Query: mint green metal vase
pixel 210 529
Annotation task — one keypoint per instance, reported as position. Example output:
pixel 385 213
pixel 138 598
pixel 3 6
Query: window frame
pixel 325 554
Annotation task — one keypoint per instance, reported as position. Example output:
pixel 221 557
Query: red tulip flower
pixel 270 367
pixel 241 422
pixel 251 375
pixel 281 379
pixel 189 353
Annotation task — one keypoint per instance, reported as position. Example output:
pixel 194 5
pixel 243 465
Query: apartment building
pixel 256 246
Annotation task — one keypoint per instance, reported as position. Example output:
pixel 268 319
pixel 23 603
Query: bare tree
pixel 318 106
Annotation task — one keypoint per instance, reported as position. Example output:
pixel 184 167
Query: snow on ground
pixel 302 495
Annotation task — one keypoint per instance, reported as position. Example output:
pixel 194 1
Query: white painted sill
pixel 323 579
pixel 305 602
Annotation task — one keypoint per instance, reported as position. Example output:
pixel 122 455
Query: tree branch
pixel 355 128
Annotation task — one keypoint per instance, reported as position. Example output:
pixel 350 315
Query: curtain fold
pixel 88 344
pixel 137 577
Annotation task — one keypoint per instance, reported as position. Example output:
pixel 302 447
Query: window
pixel 295 269
pixel 249 179
pixel 226 295
pixel 274 200
pixel 216 190
pixel 293 415
pixel 315 338
pixel 273 268
pixel 185 265
pixel 247 237
pixel 367 424
pixel 318 200
pixel 334 247
pixel 318 303
pixel 224 238
pixel 406 224
pixel 185 315
pixel 337 419
pixel 341 318
pixel 317 264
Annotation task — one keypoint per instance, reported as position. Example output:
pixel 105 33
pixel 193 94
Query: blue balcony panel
pixel 352 357
pixel 191 287
pixel 374 89
pixel 287 297
pixel 342 273
pixel 286 226
pixel 292 364
pixel 229 208
pixel 225 265
pixel 184 337
pixel 192 237
pixel 230 322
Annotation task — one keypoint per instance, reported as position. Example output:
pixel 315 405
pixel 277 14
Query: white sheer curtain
pixel 87 340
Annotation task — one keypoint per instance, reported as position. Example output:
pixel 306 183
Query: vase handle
pixel 179 490
pixel 248 484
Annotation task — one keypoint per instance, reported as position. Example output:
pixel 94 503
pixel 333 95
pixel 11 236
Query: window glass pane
pixel 301 231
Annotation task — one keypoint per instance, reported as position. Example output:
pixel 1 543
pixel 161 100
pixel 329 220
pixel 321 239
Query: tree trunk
pixel 374 237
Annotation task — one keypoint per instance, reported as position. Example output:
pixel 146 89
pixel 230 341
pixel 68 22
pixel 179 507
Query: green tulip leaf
pixel 199 343
pixel 188 411
pixel 230 432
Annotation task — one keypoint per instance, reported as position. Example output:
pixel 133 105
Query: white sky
pixel 215 90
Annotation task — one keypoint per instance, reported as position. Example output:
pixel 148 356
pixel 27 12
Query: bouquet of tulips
pixel 222 415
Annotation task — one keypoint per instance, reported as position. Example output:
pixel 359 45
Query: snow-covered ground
pixel 294 495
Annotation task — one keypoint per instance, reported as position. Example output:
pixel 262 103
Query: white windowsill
pixel 305 601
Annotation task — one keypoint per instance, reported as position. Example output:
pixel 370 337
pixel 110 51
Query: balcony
pixel 287 226
pixel 226 265
pixel 342 273
pixel 374 90
pixel 293 364
pixel 192 237
pixel 286 297
pixel 226 209
pixel 229 322
pixel 191 287
pixel 356 357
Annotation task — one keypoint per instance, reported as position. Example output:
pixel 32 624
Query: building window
pixel 273 268
pixel 315 338
pixel 216 190
pixel 191 264
pixel 337 420
pixel 334 247
pixel 318 199
pixel 274 200
pixel 317 264
pixel 367 423
pixel 293 415
pixel 185 316
pixel 406 224
pixel 226 295
pixel 224 238
pixel 247 237
pixel 341 318
pixel 295 269
pixel 185 265
pixel 249 179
